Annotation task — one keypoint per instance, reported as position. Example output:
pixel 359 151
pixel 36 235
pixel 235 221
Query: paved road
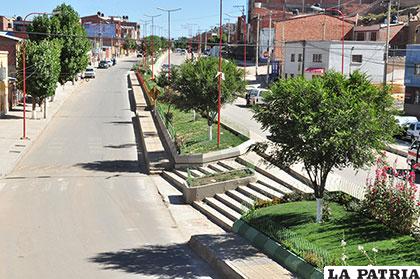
pixel 76 205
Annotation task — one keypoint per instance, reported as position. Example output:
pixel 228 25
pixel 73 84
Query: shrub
pixel 265 203
pixel 391 198
pixel 350 203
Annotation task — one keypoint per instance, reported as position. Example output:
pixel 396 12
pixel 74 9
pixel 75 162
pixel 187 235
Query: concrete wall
pixel 3 83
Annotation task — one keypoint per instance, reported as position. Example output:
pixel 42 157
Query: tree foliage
pixel 198 87
pixel 158 43
pixel 64 26
pixel 181 42
pixel 129 44
pixel 43 68
pixel 327 122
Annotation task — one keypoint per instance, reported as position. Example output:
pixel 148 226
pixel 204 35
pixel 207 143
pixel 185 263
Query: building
pixel 107 34
pixel 412 80
pixel 6 24
pixel 3 83
pixel 10 44
pixel 311 28
pixel 314 58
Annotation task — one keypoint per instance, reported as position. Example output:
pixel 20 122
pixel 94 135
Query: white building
pixel 312 58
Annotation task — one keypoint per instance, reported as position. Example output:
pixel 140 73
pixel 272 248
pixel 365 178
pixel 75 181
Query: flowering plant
pixel 391 197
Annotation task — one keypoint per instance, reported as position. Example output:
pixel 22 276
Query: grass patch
pixel 194 134
pixel 219 177
pixel 293 224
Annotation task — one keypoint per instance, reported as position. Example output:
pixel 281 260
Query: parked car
pixel 183 51
pixel 109 62
pixel 248 92
pixel 139 55
pixel 114 61
pixel 89 73
pixel 257 95
pixel 413 131
pixel 404 122
pixel 413 155
pixel 103 65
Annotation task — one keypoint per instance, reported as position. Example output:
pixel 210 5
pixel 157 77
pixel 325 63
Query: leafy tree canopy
pixel 198 87
pixel 327 122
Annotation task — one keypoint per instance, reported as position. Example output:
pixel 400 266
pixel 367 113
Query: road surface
pixel 76 206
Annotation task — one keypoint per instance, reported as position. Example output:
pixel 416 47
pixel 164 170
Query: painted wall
pixel 3 83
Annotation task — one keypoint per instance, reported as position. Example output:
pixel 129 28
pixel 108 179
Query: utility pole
pixel 269 49
pixel 199 42
pixel 257 48
pixel 153 47
pixel 228 27
pixel 169 11
pixel 388 24
pixel 245 34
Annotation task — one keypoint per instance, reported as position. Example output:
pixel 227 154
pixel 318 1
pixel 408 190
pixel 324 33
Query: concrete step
pixel 265 190
pixel 232 203
pixel 247 191
pixel 174 179
pixel 196 173
pixel 223 208
pixel 214 215
pixel 181 173
pixel 217 168
pixel 241 198
pixel 231 165
pixel 264 180
pixel 207 170
pixel 274 173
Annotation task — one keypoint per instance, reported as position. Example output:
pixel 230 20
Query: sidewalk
pixel 11 126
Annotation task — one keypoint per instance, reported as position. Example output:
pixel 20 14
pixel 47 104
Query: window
pixel 300 58
pixel 417 69
pixel 317 58
pixel 356 58
pixel 292 58
pixel 373 36
pixel 360 36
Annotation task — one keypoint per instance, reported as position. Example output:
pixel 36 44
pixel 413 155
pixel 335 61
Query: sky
pixel 198 14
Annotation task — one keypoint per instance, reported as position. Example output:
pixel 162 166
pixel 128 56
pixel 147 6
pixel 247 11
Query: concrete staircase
pixel 225 208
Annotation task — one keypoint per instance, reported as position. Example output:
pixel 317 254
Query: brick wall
pixel 11 47
pixel 309 28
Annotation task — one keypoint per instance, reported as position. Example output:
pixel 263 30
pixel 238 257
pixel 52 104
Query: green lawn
pixel 195 133
pixel 299 218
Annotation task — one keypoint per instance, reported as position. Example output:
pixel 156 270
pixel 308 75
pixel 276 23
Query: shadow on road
pixel 171 261
pixel 111 166
pixel 121 146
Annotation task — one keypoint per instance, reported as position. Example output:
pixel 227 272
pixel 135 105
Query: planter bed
pixel 219 177
pixel 293 225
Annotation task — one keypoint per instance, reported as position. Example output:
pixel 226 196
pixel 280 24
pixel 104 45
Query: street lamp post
pixel 152 43
pixel 342 31
pixel 24 72
pixel 169 11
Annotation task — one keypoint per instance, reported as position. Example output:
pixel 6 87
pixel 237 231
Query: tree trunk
pixel 33 108
pixel 210 132
pixel 45 108
pixel 319 202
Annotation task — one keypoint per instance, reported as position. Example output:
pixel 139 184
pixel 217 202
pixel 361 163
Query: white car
pixel 89 73
pixel 110 63
pixel 257 95
pixel 413 155
pixel 413 131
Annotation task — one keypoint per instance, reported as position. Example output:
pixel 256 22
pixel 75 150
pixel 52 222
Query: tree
pixel 43 69
pixel 326 123
pixel 181 42
pixel 198 87
pixel 129 44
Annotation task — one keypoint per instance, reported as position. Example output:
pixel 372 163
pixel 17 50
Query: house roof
pixel 8 36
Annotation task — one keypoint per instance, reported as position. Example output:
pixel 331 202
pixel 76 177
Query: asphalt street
pixel 77 205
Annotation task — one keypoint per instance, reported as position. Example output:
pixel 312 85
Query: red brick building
pixel 312 27
pixel 10 44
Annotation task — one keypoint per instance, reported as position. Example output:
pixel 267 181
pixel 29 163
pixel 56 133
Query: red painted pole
pixel 153 54
pixel 24 88
pixel 245 33
pixel 219 82
pixel 169 45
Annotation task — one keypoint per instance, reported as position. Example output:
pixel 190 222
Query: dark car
pixel 103 65
pixel 114 61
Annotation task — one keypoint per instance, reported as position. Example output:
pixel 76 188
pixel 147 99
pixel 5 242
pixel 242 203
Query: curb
pixel 289 260
pixel 396 151
pixel 222 267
